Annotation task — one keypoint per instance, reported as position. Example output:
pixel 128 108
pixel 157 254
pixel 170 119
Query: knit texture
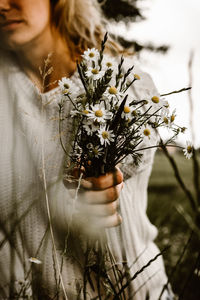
pixel 30 146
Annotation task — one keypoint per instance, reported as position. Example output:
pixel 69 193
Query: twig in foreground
pixel 139 272
pixel 176 92
pixel 176 265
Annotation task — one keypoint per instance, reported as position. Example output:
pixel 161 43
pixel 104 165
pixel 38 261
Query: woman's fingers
pixel 104 181
pixel 97 210
pixel 108 221
pixel 111 221
pixel 101 207
pixel 101 196
pixel 92 225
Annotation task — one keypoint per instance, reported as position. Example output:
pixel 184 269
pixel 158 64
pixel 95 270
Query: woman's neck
pixel 32 58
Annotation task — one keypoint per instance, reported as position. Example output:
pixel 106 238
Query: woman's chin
pixel 12 43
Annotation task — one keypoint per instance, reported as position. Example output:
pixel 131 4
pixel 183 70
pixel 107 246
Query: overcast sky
pixel 176 23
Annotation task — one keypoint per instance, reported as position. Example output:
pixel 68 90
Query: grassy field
pixel 165 196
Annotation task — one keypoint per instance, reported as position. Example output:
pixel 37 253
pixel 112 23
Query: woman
pixel 38 216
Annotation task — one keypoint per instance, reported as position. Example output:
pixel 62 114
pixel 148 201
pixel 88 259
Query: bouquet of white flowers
pixel 109 125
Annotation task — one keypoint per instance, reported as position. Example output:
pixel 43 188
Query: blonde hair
pixel 80 23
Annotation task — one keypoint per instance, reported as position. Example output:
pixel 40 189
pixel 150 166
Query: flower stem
pixel 175 92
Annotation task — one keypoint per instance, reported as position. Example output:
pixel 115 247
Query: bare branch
pixel 176 92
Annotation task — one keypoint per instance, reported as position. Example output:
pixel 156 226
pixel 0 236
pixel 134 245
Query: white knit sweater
pixel 30 144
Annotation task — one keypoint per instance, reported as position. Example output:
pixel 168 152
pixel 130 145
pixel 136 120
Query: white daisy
pixel 106 136
pixel 136 76
pixel 156 102
pixel 91 55
pixel 85 112
pixel 74 113
pixel 35 260
pixel 90 126
pixel 112 92
pixel 127 112
pixel 109 63
pixel 80 110
pixel 146 133
pixel 68 87
pixel 97 151
pixel 165 108
pixel 166 121
pixel 172 116
pixel 188 150
pixel 99 114
pixel 95 73
pixel 132 77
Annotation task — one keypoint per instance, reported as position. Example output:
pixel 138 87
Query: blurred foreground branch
pixel 191 216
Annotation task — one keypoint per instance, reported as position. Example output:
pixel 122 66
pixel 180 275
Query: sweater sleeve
pixel 140 90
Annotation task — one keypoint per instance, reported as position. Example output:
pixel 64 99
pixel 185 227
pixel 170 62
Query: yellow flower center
pixel 127 109
pixel 105 135
pixel 136 76
pixel 134 113
pixel 189 149
pixel 155 99
pixel 112 90
pixel 66 86
pixel 146 132
pixel 99 113
pixel 66 91
pixel 85 111
pixel 95 151
pixel 109 64
pixel 165 120
pixel 95 71
pixel 166 105
pixel 91 54
pixel 172 118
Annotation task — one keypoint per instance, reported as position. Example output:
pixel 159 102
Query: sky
pixel 177 24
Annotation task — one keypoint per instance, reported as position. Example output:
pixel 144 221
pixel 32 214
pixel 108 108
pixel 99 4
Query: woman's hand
pixel 98 199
